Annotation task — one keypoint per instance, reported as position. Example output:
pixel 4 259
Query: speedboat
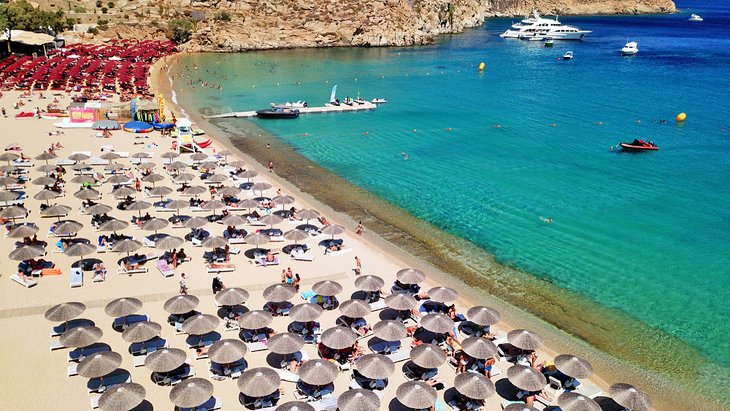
pixel 695 17
pixel 549 42
pixel 298 104
pixel 639 145
pixel 568 55
pixel 535 26
pixel 630 49
pixel 278 112
pixel 378 101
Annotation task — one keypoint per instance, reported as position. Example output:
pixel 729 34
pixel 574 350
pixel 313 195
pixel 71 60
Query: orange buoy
pixel 681 117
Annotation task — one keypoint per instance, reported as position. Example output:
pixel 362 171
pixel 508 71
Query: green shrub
pixel 180 30
pixel 104 10
pixel 222 16
pixel 79 9
pixel 98 3
pixel 93 30
pixel 110 4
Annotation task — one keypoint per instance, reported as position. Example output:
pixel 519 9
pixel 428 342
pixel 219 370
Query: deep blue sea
pixel 492 152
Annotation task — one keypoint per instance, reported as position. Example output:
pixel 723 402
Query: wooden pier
pixel 328 108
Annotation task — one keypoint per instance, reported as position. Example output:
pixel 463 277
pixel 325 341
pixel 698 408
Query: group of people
pixel 288 277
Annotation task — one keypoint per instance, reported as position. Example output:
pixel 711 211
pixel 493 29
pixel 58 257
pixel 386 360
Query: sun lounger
pixel 212 404
pixel 262 261
pixel 77 277
pixel 123 270
pixel 56 344
pixel 71 370
pixel 95 384
pixel 589 390
pixel 188 372
pixel 236 240
pixel 198 341
pixel 79 354
pixel 256 346
pixel 400 355
pixel 507 403
pixel 94 400
pixel 299 255
pixel 77 322
pixel 98 161
pixel 124 322
pixel 22 164
pixel 255 222
pixel 135 160
pixel 164 268
pixel 338 252
pixel 378 305
pixel 147 347
pixel 220 268
pixel 27 283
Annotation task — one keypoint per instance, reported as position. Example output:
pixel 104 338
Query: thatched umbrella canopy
pixel 259 382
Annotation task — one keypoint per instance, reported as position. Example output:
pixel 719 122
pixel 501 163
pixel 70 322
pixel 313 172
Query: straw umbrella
pixel 630 397
pixel 255 320
pixel 197 157
pixel 80 250
pixel 259 382
pixel 126 246
pixel 165 360
pixel 285 343
pixel 184 178
pixel 110 156
pixel 23 231
pixel 308 214
pixel 45 156
pixel 160 191
pixel 45 195
pixel 13 212
pixel 524 339
pixel 57 211
pixel 271 219
pixel 333 229
pixel 153 178
pixel 369 283
pixel 155 224
pixel 78 157
pixel 410 276
pixel 358 400
pixel 257 239
pixel 169 156
pixel 122 397
pixel 260 187
pixel 64 311
pixel 26 252
pixel 227 351
pixel 177 165
pixel 114 167
pixel 200 324
pixel 122 307
pixel 526 378
pixel 231 296
pixel 283 200
pixel 99 364
pixel 277 293
pixel 114 225
pixel 123 192
pixel 82 336
pixel 234 220
pixel 6 196
pixel 177 205
pixel 355 308
pixel 479 348
pixel 389 330
pixel 208 165
pixel 295 406
pixel 196 222
pixel 247 174
pixel 296 235
pixel 248 204
pixel 375 366
pixel 483 316
pixel 87 194
pixel 217 178
pixel 474 386
pixel 140 154
pixel 318 372
pixel 138 206
pixel 338 337
pixel 416 394
pixel 7 156
pixel 573 366
pixel 46 168
pixel 191 393
pixel 443 295
pixel 213 205
pixel 572 401
pixel 43 181
pixel 195 191
pixel 428 356
pixel 235 163
pixel 8 181
pixel 305 312
pixel 327 288
pixel 437 323
pixel 141 331
pixel 181 304
pixel 214 242
pixel 168 243
pixel 400 302
pixel 68 227
pixel 98 209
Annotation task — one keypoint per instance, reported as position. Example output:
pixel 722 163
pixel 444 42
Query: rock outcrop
pixel 229 26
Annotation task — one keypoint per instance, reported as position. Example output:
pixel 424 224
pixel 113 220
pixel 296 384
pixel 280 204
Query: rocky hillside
pixel 237 25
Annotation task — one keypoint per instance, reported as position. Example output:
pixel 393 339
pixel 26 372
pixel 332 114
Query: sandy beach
pixel 34 372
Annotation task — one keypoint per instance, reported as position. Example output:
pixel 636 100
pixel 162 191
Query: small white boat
pixel 630 49
pixel 298 104
pixel 378 101
pixel 549 42
pixel 695 17
pixel 568 55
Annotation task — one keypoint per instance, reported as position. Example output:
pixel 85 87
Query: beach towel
pixel 306 295
pixel 51 271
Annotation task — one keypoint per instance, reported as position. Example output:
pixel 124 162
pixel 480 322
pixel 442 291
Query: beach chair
pixel 71 370
pixel 255 222
pixel 165 268
pixel 213 403
pixel 79 354
pixel 589 390
pixel 109 381
pixel 124 322
pixel 220 268
pixel 94 399
pixel 77 277
pixel 76 322
pixel 257 346
pixel 123 270
pixel 400 355
pixel 299 255
pixel 378 305
pixel 27 283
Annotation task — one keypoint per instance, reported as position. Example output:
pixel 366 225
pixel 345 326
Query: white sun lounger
pixel 27 283
pixel 255 222
pixel 165 268
pixel 400 355
pixel 378 305
pixel 287 375
pixel 256 346
pixel 71 371
pixel 123 270
pixel 236 240
pixel 301 256
pixel 225 269
pixel 334 253
pixel 94 400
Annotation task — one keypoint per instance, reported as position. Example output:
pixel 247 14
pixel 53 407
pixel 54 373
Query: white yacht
pixel 540 27
pixel 695 17
pixel 630 49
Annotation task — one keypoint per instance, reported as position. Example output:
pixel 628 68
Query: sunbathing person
pixel 335 247
pixel 99 271
pixel 270 258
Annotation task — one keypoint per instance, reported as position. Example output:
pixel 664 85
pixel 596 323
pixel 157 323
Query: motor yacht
pixel 568 55
pixel 540 27
pixel 695 17
pixel 630 49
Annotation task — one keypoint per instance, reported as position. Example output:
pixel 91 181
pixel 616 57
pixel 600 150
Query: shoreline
pixel 453 261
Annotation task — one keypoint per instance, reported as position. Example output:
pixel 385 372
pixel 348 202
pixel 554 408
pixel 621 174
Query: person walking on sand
pixel 183 284
pixel 271 166
pixel 360 228
pixel 358 266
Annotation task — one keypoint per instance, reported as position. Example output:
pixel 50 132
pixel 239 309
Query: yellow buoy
pixel 481 66
pixel 681 117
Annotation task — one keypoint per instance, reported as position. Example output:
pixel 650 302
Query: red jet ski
pixel 639 145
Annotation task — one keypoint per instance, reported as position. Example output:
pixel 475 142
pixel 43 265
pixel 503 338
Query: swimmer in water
pixel 599 123
pixel 553 124
pixel 404 155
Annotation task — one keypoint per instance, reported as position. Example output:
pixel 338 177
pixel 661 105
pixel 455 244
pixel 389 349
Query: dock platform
pixel 327 108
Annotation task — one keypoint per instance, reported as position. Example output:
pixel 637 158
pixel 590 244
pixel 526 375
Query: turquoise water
pixel 647 233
